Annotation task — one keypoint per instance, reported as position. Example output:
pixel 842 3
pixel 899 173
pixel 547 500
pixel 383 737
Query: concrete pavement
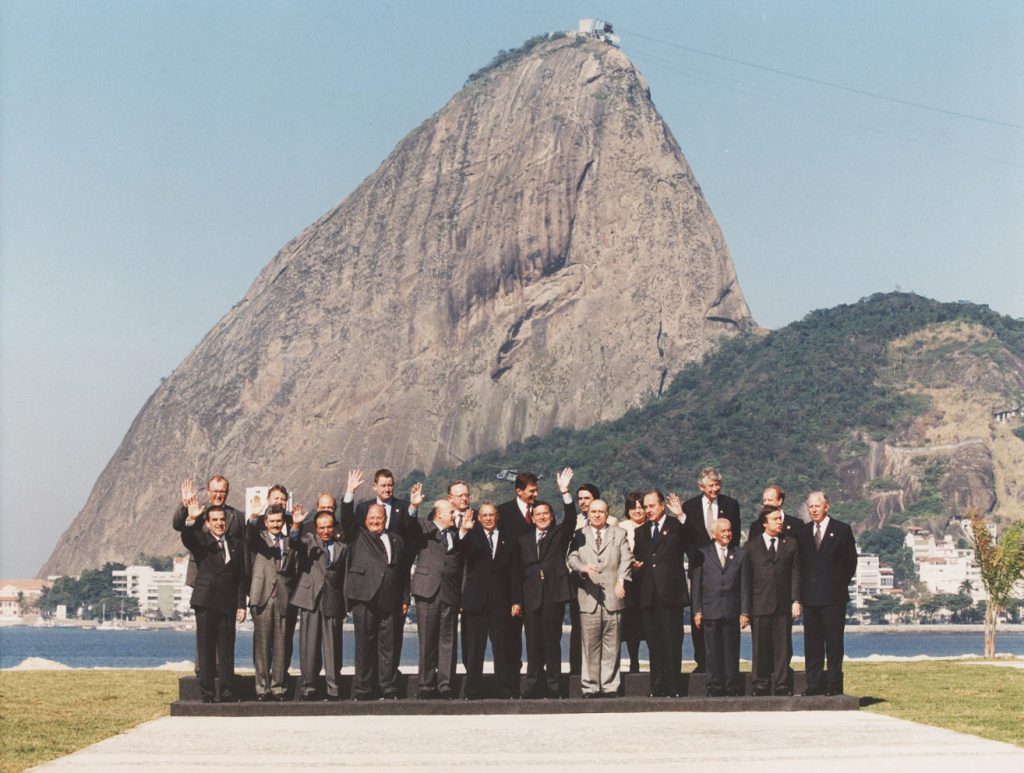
pixel 769 741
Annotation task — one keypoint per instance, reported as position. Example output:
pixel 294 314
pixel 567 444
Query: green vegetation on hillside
pixel 783 407
pixel 512 54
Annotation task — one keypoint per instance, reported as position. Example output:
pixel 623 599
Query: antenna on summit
pixel 599 30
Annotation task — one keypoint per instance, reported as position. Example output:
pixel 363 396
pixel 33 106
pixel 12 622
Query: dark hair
pixel 589 487
pixel 633 498
pixel 278 487
pixel 525 479
pixel 275 509
pixel 383 472
pixel 542 503
pixel 216 509
pixel 764 512
pixel 455 483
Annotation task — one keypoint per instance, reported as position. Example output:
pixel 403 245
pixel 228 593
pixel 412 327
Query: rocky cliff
pixel 535 255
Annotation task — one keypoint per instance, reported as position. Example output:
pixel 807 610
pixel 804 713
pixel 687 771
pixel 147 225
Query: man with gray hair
pixel 436 586
pixel 602 561
pixel 701 514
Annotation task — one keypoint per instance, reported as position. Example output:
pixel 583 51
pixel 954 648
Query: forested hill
pixel 886 403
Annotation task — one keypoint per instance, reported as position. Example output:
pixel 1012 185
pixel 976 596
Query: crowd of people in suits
pixel 495 572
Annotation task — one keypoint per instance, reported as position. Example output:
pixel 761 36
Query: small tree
pixel 1002 566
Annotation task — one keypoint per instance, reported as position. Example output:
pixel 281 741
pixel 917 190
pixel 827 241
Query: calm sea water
pixel 90 648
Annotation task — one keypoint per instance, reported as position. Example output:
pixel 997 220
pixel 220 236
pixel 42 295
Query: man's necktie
pixel 722 554
pixel 711 520
pixel 444 540
pixel 529 514
pixel 223 545
pixel 817 535
pixel 277 546
pixel 771 551
pixel 597 539
pixel 330 552
pixel 656 534
pixel 490 542
pixel 387 545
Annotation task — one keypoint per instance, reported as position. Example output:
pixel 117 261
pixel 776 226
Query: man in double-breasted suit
pixel 436 586
pixel 320 597
pixel 830 561
pixel 515 518
pixel 701 514
pixel 603 563
pixel 492 595
pixel 218 596
pixel 273 572
pixel 542 552
pixel 720 582
pixel 377 589
pixel 659 591
pixel 773 603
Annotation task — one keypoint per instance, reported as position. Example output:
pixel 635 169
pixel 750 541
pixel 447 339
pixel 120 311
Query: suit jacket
pixel 218 585
pixel 320 582
pixel 828 570
pixel 266 576
pixel 236 528
pixel 545 575
pixel 493 584
pixel 791 527
pixel 697 532
pixel 436 574
pixel 510 519
pixel 662 578
pixel 614 562
pixel 721 592
pixel 774 585
pixel 371 574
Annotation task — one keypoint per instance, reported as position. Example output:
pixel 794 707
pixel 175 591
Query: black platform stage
pixel 633 696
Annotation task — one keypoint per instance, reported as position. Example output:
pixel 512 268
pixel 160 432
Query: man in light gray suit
pixel 602 560
pixel 273 574
pixel 319 595
pixel 719 592
pixel 436 585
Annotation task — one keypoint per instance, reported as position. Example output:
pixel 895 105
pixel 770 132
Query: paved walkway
pixel 844 741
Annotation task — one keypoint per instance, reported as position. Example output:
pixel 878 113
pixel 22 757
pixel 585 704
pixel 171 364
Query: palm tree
pixel 966 588
pixel 1002 566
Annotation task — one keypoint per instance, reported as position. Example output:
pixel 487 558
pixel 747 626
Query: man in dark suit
pixel 773 602
pixel 436 585
pixel 515 518
pixel 273 572
pixel 458 497
pixel 659 591
pixel 774 496
pixel 720 582
pixel 319 594
pixel 491 599
pixel 377 589
pixel 218 596
pixel 399 519
pixel 546 591
pixel 830 561
pixel 701 514
pixel 216 496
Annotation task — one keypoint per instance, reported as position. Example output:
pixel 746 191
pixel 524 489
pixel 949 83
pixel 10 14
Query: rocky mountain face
pixel 535 255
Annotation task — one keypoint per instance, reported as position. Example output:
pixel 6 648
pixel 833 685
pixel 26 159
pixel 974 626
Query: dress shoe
pixel 471 697
pixel 833 692
pixel 364 697
pixel 389 696
pixel 428 695
pixel 280 697
pixel 332 698
pixel 591 695
pixel 784 693
pixel 810 692
pixel 207 699
pixel 226 696
pixel 716 693
pixel 760 692
pixel 445 695
pixel 735 693
pixel 308 696
pixel 263 697
pixel 609 695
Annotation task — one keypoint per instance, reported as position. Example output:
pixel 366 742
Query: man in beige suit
pixel 601 558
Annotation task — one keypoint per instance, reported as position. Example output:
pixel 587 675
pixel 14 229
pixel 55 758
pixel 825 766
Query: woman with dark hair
pixel 632 630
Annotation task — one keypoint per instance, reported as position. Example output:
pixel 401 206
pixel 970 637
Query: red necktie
pixel 529 515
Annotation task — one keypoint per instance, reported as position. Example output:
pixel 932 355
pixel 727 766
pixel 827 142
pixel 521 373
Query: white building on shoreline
pixel 160 594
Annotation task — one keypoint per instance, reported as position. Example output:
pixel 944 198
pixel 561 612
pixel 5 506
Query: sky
pixel 155 156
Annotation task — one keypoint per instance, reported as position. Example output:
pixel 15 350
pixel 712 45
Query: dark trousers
pixel 215 648
pixel 320 646
pixel 477 627
pixel 722 640
pixel 632 635
pixel 544 648
pixel 515 649
pixel 823 634
pixel 269 647
pixel 772 641
pixel 575 635
pixel 436 623
pixel 375 642
pixel 699 648
pixel 663 630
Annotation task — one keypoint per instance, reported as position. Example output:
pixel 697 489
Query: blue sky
pixel 154 156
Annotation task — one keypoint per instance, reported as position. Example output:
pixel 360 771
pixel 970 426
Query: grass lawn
pixel 986 701
pixel 47 714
